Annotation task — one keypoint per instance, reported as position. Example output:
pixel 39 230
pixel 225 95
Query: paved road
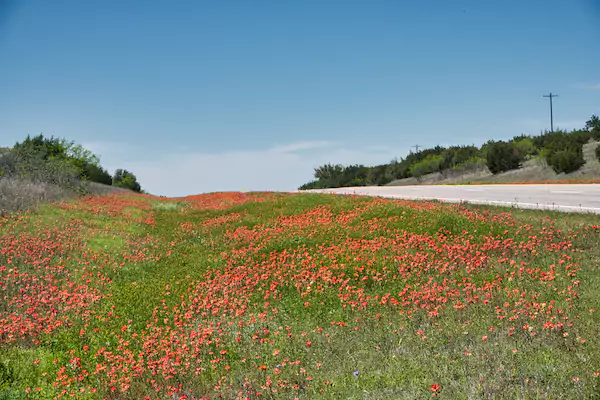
pixel 574 198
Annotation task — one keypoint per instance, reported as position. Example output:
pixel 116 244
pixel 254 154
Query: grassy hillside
pixel 304 296
pixel 552 156
pixel 18 194
pixel 535 169
pixel 39 170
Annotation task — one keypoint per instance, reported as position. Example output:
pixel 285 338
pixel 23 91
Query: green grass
pixel 309 296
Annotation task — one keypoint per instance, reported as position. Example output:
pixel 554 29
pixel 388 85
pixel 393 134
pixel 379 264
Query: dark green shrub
pixel 95 173
pixel 33 165
pixel 428 165
pixel 566 161
pixel 378 176
pixel 502 156
pixel 126 179
pixel 593 124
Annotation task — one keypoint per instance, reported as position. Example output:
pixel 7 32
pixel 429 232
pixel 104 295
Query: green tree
pixel 378 176
pixel 524 146
pixel 329 172
pixel 125 179
pixel 566 161
pixel 354 175
pixel 96 173
pixel 593 124
pixel 60 149
pixel 31 162
pixel 428 165
pixel 502 156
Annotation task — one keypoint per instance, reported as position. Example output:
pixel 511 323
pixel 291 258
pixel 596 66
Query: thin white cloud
pixel 278 168
pixel 591 86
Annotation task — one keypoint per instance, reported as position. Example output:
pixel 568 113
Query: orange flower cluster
pixel 229 332
pixel 222 200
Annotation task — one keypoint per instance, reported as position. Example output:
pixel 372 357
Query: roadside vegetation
pixel 562 151
pixel 263 295
pixel 40 170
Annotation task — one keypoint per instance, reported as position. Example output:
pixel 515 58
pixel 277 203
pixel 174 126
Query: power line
pixel 550 96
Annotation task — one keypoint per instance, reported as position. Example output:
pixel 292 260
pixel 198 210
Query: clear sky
pixel 198 96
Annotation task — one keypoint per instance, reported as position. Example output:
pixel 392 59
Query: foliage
pixel 59 161
pixel 470 165
pixel 566 160
pixel 96 173
pixel 458 155
pixel 329 172
pixel 378 175
pixel 562 150
pixel 41 153
pixel 524 146
pixel 37 164
pixel 328 176
pixel 593 125
pixel 502 156
pixel 126 179
pixel 317 184
pixel 428 165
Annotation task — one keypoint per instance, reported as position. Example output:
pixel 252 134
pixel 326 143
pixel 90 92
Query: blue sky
pixel 199 96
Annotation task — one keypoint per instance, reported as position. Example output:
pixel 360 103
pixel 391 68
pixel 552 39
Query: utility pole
pixel 550 96
pixel 416 147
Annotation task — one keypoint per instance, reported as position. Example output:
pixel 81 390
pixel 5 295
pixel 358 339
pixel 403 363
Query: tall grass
pixel 18 194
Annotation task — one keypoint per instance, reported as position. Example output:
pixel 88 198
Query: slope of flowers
pixel 223 200
pixel 298 296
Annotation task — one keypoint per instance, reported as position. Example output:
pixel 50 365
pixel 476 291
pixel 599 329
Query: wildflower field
pixel 308 296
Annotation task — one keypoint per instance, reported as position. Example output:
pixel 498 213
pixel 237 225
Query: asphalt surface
pixel 569 198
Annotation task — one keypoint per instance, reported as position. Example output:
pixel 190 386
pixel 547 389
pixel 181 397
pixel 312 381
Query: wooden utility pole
pixel 550 96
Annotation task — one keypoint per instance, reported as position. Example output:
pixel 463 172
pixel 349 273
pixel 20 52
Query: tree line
pixel 562 150
pixel 60 162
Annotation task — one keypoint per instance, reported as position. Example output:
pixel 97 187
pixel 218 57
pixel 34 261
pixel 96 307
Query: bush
pixel 598 153
pixel 471 165
pixel 524 146
pixel 34 165
pixel 429 165
pixel 567 160
pixel 311 185
pixel 456 155
pixel 593 125
pixel 127 180
pixel 560 149
pixel 17 195
pixel 43 169
pixel 95 173
pixel 378 175
pixel 502 156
